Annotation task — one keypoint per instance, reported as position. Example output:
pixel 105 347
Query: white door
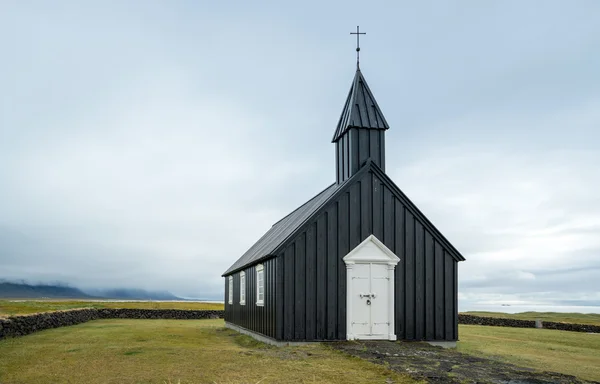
pixel 370 300
pixel 370 291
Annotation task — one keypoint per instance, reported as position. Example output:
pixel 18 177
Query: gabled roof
pixel 281 230
pixel 270 243
pixel 360 110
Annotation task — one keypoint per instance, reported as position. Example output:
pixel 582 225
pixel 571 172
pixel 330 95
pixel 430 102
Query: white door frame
pixel 386 256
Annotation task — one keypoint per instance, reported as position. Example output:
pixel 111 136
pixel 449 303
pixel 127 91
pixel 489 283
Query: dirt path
pixel 438 365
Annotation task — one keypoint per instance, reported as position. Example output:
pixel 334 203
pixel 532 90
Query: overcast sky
pixel 150 143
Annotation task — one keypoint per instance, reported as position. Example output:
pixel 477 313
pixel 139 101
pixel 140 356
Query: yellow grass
pixel 21 307
pixel 573 353
pixel 174 351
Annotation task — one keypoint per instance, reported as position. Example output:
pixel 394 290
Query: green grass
pixel 23 307
pixel 174 351
pixel 577 318
pixel 572 353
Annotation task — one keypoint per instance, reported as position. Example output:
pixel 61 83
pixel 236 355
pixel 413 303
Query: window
pixel 230 289
pixel 243 288
pixel 260 285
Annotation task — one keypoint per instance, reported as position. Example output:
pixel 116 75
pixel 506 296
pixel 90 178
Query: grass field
pixel 22 307
pixel 577 318
pixel 174 351
pixel 572 353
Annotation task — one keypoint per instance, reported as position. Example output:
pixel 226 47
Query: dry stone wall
pixel 24 325
pixel 571 327
pixel 501 322
pixel 496 321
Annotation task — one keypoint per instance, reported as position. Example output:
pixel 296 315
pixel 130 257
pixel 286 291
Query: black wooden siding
pixel 311 279
pixel 355 147
pixel 251 316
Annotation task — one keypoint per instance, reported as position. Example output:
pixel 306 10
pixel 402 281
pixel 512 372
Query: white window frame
pixel 260 272
pixel 243 288
pixel 230 290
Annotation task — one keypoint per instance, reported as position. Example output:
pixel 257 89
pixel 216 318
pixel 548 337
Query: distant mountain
pixel 10 290
pixel 26 291
pixel 133 294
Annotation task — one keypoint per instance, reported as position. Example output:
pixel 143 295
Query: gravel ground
pixel 439 365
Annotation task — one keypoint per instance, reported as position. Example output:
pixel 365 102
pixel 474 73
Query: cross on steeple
pixel 358 33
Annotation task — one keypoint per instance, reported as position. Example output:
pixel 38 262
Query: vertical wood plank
pixel 265 311
pixel 449 293
pixel 273 301
pixel 311 281
pixel 410 276
pixel 270 321
pixel 332 265
pixel 250 315
pixel 429 288
pixel 279 297
pixel 349 155
pixel 346 162
pixel 300 291
pixel 366 206
pixel 289 293
pixel 321 277
pixel 354 216
pixel 382 150
pixel 439 291
pixel 343 249
pixel 400 288
pixel 377 208
pixel 354 158
pixel 389 216
pixel 227 314
pixel 455 311
pixel 374 145
pixel 419 281
pixel 363 146
pixel 338 162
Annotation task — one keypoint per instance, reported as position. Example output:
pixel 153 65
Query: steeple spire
pixel 360 110
pixel 360 133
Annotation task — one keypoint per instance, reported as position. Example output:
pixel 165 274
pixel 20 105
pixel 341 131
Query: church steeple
pixel 360 133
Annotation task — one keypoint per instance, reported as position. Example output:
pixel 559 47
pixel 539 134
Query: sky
pixel 148 144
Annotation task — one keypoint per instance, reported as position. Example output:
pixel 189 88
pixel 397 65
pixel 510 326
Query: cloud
pixel 151 146
pixel 167 182
pixel 527 220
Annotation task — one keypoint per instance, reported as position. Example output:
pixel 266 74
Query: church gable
pixel 313 272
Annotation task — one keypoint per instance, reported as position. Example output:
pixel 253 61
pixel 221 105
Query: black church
pixel 357 261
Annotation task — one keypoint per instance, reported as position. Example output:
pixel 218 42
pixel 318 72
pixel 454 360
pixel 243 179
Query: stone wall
pixel 571 327
pixel 501 322
pixel 23 325
pixel 496 321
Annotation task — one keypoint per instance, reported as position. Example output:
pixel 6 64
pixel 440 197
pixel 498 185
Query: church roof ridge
pixel 271 243
pixel 360 109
